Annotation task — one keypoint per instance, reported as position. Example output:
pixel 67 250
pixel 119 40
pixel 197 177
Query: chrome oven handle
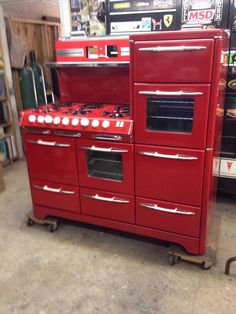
pixel 107 199
pixel 166 156
pixel 59 133
pixel 102 149
pixel 108 137
pixel 167 210
pixel 48 143
pixel 166 93
pixel 172 48
pixel 53 190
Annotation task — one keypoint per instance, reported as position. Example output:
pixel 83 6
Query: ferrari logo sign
pixel 168 19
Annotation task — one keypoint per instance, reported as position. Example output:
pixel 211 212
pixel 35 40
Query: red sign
pixel 229 165
pixel 201 16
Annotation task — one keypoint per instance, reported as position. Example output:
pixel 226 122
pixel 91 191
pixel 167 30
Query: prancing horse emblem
pixel 168 19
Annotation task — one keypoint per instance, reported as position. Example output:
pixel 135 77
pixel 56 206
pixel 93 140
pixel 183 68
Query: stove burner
pixel 119 112
pixel 83 109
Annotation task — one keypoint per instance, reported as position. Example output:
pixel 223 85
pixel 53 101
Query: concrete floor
pixel 82 270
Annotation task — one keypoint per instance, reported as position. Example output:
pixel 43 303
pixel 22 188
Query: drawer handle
pixel 108 137
pixel 167 210
pixel 172 49
pixel 177 156
pixel 165 93
pixel 58 133
pixel 53 190
pixel 102 149
pixel 106 199
pixel 32 131
pixel 47 143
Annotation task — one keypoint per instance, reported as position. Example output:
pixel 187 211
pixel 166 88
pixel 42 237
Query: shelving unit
pixel 8 150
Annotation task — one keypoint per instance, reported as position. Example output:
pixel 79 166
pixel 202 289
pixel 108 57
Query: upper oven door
pixel 107 166
pixel 183 61
pixel 171 115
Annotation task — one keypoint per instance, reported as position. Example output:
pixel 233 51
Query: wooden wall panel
pixel 39 36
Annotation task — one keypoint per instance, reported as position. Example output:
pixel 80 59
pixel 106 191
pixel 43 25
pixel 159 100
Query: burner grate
pixel 119 112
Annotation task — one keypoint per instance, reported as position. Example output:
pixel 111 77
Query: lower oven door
pixel 172 115
pixel 169 174
pixel 107 166
pixel 51 158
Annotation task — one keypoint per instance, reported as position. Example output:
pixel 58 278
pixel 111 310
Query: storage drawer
pixel 169 217
pixel 107 205
pixel 173 61
pixel 169 174
pixel 55 195
pixel 51 158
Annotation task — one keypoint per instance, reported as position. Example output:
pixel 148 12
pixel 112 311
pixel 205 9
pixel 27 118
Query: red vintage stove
pixel 84 160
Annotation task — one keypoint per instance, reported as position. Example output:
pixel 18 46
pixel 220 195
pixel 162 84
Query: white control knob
pixel 65 121
pixel 75 122
pixel 84 122
pixel 95 123
pixel 48 119
pixel 32 118
pixel 56 120
pixel 40 119
pixel 105 124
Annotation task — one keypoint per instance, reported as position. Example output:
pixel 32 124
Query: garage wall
pixel 30 9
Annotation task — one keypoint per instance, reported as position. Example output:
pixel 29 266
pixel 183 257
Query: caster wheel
pixel 173 259
pixel 206 265
pixel 53 228
pixel 30 222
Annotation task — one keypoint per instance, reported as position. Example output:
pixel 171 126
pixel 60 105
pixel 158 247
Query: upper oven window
pixel 169 114
pixel 105 165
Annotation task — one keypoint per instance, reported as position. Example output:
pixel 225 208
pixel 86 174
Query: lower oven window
pixel 105 165
pixel 170 114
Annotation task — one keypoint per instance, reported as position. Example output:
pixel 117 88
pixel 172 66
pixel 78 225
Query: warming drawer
pixel 51 158
pixel 168 61
pixel 169 174
pixel 107 205
pixel 171 114
pixel 108 166
pixel 170 217
pixel 55 195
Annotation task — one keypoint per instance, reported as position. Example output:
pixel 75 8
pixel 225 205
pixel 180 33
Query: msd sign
pixel 201 16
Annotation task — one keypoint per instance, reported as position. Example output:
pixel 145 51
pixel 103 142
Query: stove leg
pixel 228 264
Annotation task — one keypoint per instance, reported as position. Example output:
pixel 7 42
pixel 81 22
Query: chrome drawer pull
pixel 106 199
pixel 102 149
pixel 177 156
pixel 167 210
pixel 108 138
pixel 172 49
pixel 58 133
pixel 53 190
pixel 47 143
pixel 27 130
pixel 165 93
